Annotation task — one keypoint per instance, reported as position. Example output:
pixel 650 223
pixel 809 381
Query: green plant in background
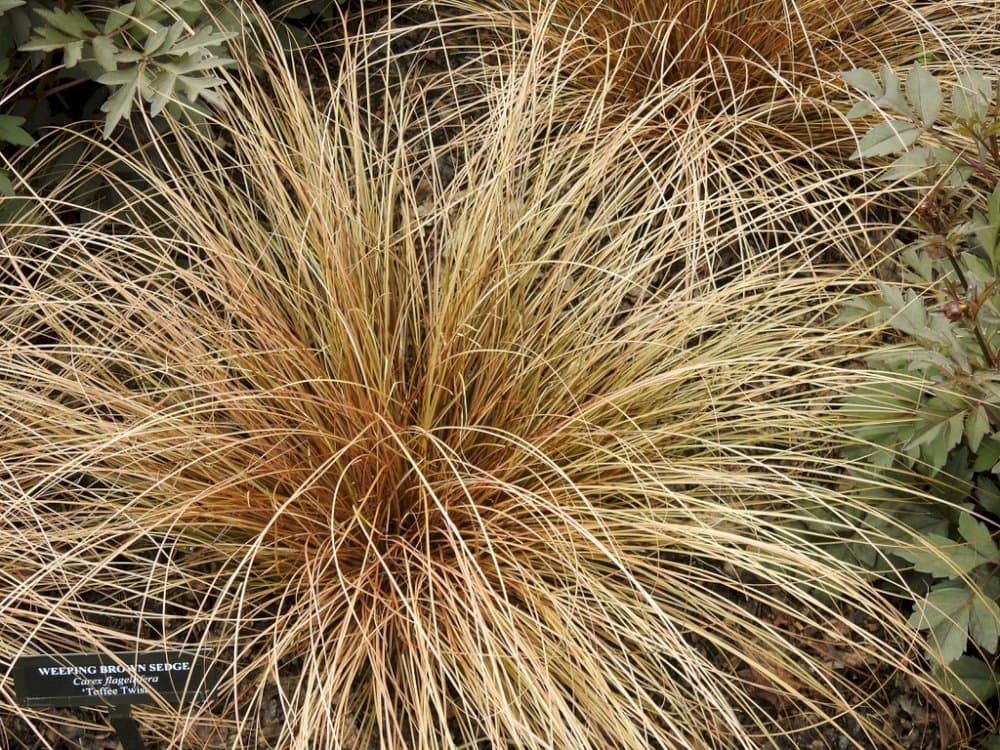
pixel 163 54
pixel 940 434
pixel 69 61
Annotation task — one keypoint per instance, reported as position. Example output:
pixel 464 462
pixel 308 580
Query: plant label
pixel 113 679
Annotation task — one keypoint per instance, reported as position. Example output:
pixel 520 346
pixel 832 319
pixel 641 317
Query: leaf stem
pixel 972 321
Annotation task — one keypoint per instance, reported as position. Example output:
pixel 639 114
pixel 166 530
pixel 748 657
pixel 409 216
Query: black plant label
pixel 114 679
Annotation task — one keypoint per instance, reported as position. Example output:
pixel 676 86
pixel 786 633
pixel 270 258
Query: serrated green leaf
pixel 154 41
pixel 860 109
pixel 940 428
pixel 971 95
pixel 11 131
pixel 937 606
pixel 977 426
pixel 947 158
pixel 935 453
pixel 892 295
pixel 176 29
pixel 920 263
pixel 6 188
pixel 883 413
pixel 855 310
pixel 119 104
pixel 978 536
pixel 949 635
pixel 984 623
pixel 104 52
pixel 990 743
pixel 988 229
pixel 988 495
pixel 200 87
pixel 911 165
pixel 959 175
pixel 969 679
pixel 886 139
pixel 924 94
pixel 46 40
pixel 946 559
pixel 891 99
pixel 937 433
pixel 118 77
pixel 993 206
pixel 863 80
pixel 128 56
pixel 145 8
pixel 956 427
pixel 988 455
pixel 72 53
pixel 160 91
pixel 6 5
pixel 73 23
pixel 977 268
pixel 202 39
pixel 205 97
pixel 912 318
pixel 117 17
pixel 945 614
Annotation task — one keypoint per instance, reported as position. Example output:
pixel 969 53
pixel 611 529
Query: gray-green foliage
pixel 936 430
pixel 163 54
pixel 157 51
pixel 156 54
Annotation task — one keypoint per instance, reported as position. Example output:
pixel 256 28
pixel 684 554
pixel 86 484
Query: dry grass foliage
pixel 761 78
pixel 732 52
pixel 512 470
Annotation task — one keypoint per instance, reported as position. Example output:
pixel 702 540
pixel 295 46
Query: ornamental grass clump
pixel 478 473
